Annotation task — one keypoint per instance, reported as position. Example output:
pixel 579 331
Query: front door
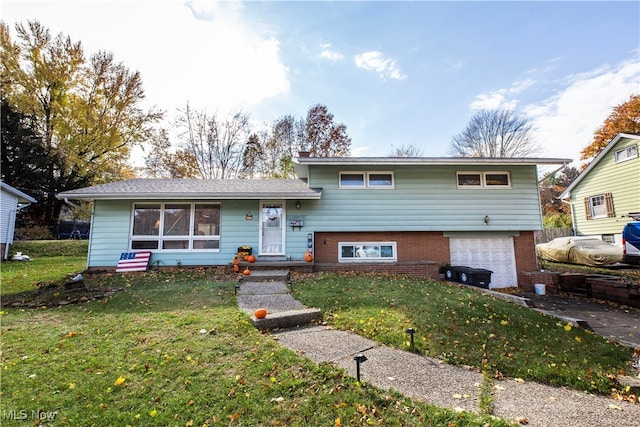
pixel 272 228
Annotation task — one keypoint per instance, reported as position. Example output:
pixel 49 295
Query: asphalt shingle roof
pixel 147 188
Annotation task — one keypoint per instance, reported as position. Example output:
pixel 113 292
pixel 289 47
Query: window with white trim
pixel 370 179
pixel 175 226
pixel 367 252
pixel 493 179
pixel 599 206
pixel 627 153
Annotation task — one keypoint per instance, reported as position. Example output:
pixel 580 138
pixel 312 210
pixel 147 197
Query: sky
pixel 395 73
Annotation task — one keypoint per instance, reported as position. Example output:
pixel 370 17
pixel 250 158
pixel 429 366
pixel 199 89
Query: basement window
pixel 367 252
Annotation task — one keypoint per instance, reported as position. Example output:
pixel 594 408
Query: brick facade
pixel 412 246
pixel 420 253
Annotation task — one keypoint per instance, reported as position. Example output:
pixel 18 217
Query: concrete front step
pixel 274 303
pixel 266 276
pixel 287 319
pixel 263 288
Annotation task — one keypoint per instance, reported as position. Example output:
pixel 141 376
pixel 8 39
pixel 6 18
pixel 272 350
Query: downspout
pixel 70 203
pixel 573 218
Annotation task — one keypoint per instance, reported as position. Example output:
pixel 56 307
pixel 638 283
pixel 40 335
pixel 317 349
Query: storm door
pixel 272 228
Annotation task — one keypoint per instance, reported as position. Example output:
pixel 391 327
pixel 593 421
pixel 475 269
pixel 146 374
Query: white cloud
pixel 202 53
pixel 564 123
pixel 328 53
pixel 376 61
pixel 501 98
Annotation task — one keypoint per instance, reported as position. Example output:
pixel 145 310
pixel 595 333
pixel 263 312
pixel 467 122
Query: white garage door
pixel 495 254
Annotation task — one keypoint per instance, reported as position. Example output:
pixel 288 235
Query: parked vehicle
pixel 580 250
pixel 631 243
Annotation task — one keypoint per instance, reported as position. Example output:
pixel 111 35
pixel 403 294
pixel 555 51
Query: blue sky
pixel 396 73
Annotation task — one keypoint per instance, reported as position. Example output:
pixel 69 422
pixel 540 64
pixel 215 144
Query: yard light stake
pixel 411 331
pixel 359 359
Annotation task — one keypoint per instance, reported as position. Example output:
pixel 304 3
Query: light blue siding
pixel 111 224
pixel 425 199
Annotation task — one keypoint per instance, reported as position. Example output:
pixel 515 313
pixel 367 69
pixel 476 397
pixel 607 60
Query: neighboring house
pixel 406 215
pixel 604 195
pixel 11 201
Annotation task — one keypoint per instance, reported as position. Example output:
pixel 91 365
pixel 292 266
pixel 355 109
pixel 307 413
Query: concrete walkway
pixel 428 379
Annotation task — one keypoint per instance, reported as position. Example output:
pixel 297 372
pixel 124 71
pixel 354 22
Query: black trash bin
pixel 479 277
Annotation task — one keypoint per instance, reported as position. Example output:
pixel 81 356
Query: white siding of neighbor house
pixel 8 206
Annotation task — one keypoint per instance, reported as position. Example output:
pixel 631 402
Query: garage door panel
pixel 495 254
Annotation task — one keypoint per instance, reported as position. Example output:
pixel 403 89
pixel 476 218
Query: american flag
pixel 133 261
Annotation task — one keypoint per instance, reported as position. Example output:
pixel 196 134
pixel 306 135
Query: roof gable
pixel 567 192
pixel 22 197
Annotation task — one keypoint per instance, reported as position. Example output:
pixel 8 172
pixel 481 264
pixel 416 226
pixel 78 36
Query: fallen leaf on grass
pixel 119 381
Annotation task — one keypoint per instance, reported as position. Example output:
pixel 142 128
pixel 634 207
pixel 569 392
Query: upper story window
pixel 483 179
pixel 627 153
pixel 175 226
pixel 366 180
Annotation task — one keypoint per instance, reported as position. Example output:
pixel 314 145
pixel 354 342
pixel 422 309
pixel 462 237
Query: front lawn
pixel 172 348
pixel 52 261
pixel 463 326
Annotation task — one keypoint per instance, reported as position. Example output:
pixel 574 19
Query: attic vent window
pixel 627 154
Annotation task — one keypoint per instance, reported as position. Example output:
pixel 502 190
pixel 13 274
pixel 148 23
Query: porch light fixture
pixel 248 216
pixel 359 359
pixel 411 331
pixel 298 204
pixel 486 219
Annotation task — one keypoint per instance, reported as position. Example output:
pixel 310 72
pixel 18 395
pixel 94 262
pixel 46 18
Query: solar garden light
pixel 411 331
pixel 359 359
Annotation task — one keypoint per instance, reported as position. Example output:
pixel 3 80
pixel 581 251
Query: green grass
pixel 462 326
pixel 172 348
pixel 52 261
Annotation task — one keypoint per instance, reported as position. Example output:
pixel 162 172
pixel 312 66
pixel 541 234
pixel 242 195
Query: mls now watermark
pixel 23 414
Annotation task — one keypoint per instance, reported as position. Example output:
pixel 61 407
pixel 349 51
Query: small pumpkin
pixel 260 313
pixel 307 256
pixel 236 268
pixel 251 258
pixel 246 272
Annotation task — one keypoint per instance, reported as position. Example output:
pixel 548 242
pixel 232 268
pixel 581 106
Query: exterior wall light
pixel 486 219
pixel 298 204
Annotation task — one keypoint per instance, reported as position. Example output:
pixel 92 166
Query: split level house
pixel 400 215
pixel 606 194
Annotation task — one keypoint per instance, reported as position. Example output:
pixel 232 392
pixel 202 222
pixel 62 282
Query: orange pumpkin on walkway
pixel 246 272
pixel 260 313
